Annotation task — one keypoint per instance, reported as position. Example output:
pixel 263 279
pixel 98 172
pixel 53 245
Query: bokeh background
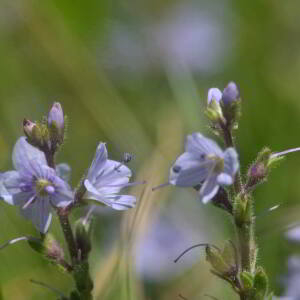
pixel 135 74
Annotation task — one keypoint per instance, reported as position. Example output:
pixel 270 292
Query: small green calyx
pixel 222 262
pixel 214 112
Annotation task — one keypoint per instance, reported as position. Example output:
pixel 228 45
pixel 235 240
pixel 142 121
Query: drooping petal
pixel 26 157
pixel 231 163
pixel 99 161
pixel 209 189
pixel 39 213
pixel 189 170
pixel 197 143
pixel 63 171
pixel 214 93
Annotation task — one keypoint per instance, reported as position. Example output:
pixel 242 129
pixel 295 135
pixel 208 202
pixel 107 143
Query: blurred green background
pixel 135 74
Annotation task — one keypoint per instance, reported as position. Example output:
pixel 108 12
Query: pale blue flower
pixel 203 162
pixel 34 186
pixel 106 178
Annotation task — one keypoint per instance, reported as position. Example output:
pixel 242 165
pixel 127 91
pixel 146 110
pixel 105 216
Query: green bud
pixel 261 282
pixel 214 112
pixel 83 237
pixel 242 210
pixel 229 254
pixel 48 247
pixel 37 134
pixel 247 280
pixel 214 257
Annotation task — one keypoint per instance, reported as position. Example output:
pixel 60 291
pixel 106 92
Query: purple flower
pixel 34 186
pixel 106 178
pixel 203 162
pixel 56 116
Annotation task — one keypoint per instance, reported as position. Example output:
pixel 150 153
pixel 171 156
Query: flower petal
pixel 231 163
pixel 123 202
pixel 99 161
pixel 224 179
pixel 114 176
pixel 26 157
pixel 9 186
pixel 197 143
pixel 189 170
pixel 209 189
pixel 39 213
pixel 63 171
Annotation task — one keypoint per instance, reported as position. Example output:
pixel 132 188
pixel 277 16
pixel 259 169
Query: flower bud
pixel 83 239
pixel 214 94
pixel 48 247
pixel 56 116
pixel 220 261
pixel 28 127
pixel 261 283
pixel 230 93
pixel 56 125
pixel 37 134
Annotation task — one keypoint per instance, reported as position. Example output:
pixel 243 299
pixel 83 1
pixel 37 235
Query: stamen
pixel 29 202
pixel 274 155
pixel 160 186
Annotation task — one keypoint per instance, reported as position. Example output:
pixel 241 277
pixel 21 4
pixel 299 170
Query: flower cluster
pixel 37 186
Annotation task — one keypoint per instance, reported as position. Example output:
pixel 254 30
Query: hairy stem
pixel 245 225
pixel 69 236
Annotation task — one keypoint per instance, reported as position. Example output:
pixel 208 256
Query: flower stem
pixel 68 234
pixel 245 225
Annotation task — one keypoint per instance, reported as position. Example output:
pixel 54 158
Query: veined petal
pixel 197 143
pixel 224 179
pixel 39 213
pixel 24 153
pixel 99 162
pixel 189 170
pixel 231 163
pixel 123 202
pixel 63 171
pixel 209 189
pixel 113 173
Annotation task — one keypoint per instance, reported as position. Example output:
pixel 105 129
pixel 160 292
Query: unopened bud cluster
pixel 47 135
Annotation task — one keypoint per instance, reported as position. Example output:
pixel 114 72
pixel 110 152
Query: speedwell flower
pixel 106 178
pixel 203 162
pixel 34 186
